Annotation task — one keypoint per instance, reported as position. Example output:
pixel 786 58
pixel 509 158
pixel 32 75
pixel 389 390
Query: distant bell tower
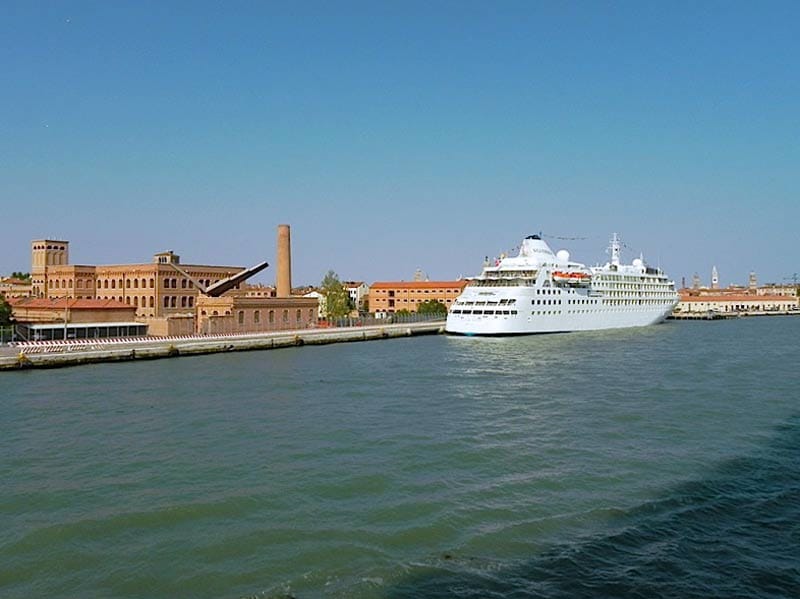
pixel 46 253
pixel 714 278
pixel 695 281
pixel 752 282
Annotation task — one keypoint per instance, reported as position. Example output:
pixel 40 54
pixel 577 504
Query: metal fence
pixel 6 335
pixel 372 320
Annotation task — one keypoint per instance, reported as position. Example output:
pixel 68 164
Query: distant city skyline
pixel 397 138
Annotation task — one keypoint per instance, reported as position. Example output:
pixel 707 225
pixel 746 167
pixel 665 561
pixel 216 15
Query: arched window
pixel 152 283
pixel 241 316
pixel 183 283
pixel 136 300
pixel 173 302
pixel 166 301
pixel 257 316
pixel 191 301
pixel 127 283
pixel 70 283
pixel 311 314
pixel 271 316
pixel 120 283
pixel 166 283
pixel 286 316
pixel 128 300
pixel 136 283
pixel 174 283
pixel 298 316
pixel 183 301
pixel 215 313
pixel 113 283
pixel 152 302
pixel 105 283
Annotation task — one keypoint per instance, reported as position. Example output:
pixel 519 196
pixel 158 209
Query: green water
pixel 431 466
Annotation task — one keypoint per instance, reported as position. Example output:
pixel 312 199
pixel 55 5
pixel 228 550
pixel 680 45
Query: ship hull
pixel 539 323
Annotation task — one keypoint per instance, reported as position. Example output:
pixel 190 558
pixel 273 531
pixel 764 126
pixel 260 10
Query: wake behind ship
pixel 539 291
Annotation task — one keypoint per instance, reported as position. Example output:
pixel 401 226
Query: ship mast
pixel 614 247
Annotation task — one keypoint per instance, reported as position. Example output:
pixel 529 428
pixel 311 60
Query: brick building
pixel 388 297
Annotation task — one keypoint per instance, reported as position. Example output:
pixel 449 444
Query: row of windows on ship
pixel 611 281
pixel 554 302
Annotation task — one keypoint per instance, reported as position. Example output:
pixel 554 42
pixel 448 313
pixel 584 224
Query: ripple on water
pixel 661 462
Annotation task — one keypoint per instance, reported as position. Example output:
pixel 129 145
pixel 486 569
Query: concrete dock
pixel 65 354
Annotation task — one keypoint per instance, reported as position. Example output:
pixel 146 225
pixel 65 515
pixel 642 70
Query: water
pixel 657 462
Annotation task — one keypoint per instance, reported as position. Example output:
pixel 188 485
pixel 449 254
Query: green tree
pixel 5 312
pixel 432 307
pixel 22 276
pixel 337 299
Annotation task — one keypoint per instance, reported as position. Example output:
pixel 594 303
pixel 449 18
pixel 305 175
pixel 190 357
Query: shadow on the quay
pixel 736 533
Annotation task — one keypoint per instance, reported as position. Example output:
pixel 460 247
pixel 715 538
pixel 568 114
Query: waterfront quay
pixel 60 354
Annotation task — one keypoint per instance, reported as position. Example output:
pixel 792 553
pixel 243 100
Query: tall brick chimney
pixel 284 280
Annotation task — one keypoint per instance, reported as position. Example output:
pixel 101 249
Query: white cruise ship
pixel 539 291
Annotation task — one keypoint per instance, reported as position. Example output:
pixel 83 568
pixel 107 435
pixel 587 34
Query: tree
pixel 22 276
pixel 432 307
pixel 337 299
pixel 5 312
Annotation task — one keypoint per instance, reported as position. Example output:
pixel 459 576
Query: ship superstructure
pixel 539 291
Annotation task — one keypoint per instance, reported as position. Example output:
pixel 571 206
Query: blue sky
pixel 397 136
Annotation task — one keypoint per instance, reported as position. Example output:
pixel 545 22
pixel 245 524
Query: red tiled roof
pixel 72 304
pixel 13 281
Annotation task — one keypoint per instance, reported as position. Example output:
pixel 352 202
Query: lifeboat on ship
pixel 572 278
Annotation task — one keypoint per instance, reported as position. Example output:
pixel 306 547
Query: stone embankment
pixel 70 353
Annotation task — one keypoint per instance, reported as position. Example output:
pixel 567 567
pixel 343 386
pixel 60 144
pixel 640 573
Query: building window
pixel 113 283
pixel 299 316
pixel 136 283
pixel 166 283
pixel 183 301
pixel 152 283
pixel 191 301
pixel 286 316
pixel 166 301
pixel 127 283
pixel 174 283
pixel 183 283
pixel 271 316
pixel 173 301
pixel 257 316
pixel 241 316
pixel 311 314
pixel 152 301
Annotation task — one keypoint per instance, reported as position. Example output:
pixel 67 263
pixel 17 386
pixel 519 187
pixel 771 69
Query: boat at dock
pixel 541 291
